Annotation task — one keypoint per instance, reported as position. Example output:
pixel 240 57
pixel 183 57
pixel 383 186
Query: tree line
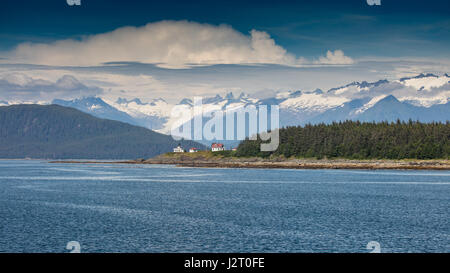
pixel 359 140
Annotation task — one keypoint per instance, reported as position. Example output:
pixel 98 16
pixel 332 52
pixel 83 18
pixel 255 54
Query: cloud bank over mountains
pixel 169 44
pixel 150 61
pixel 21 87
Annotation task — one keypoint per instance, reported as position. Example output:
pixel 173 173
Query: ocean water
pixel 157 208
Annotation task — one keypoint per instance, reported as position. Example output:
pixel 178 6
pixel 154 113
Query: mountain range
pixel 425 97
pixel 57 132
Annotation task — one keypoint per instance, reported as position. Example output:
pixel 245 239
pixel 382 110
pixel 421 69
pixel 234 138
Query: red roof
pixel 194 149
pixel 217 145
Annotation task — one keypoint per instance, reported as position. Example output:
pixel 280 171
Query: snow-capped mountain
pixel 97 107
pixel 424 97
pixel 385 108
pixel 156 114
pixel 152 115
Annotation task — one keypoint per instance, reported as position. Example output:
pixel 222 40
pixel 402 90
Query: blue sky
pixel 292 41
pixel 397 27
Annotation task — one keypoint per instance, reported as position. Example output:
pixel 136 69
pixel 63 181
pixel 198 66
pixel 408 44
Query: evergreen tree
pixel 359 140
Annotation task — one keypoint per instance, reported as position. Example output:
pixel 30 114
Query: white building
pixel 178 149
pixel 193 150
pixel 216 147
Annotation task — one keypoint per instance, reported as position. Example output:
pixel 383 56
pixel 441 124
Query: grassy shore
pixel 227 160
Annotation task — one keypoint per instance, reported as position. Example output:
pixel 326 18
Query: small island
pixel 343 145
pixel 208 159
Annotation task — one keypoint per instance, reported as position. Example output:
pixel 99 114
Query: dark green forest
pixel 359 140
pixel 58 132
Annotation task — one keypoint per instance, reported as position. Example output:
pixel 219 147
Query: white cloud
pixel 336 57
pixel 20 87
pixel 170 44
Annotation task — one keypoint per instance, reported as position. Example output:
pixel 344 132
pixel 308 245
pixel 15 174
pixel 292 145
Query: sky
pixel 176 49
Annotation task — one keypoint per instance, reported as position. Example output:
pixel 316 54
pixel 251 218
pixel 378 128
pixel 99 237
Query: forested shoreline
pixel 358 140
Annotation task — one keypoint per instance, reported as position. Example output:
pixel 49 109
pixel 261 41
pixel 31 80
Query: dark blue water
pixel 137 208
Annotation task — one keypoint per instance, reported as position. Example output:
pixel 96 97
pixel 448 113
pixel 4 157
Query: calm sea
pixel 155 208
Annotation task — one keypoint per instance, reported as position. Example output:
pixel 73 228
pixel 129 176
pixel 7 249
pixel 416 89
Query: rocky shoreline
pixel 202 161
